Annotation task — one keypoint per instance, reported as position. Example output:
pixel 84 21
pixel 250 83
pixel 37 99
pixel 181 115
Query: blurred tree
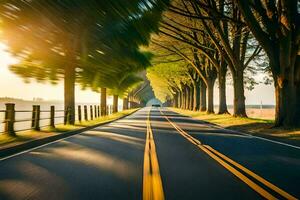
pixel 122 86
pixel 61 39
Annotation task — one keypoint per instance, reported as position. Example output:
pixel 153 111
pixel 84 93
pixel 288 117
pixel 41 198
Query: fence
pixel 36 118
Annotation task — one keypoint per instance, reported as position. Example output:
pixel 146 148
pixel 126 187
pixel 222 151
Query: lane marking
pixel 253 136
pixel 257 177
pixel 34 148
pixel 152 184
pixel 274 141
pixel 217 156
pixel 246 134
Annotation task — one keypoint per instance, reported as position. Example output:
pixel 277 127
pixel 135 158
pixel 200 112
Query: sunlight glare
pixel 6 59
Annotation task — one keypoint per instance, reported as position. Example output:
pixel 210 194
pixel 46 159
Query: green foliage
pixel 168 77
pixel 99 39
pixel 125 84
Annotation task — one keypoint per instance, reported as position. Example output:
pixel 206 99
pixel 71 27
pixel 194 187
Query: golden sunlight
pixel 6 58
pixel 13 86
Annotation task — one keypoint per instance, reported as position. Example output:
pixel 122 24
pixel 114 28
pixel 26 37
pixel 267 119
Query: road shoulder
pixel 254 127
pixel 16 147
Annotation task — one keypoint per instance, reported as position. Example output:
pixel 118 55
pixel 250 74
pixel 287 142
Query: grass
pixel 253 125
pixel 24 136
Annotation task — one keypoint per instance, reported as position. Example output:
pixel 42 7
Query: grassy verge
pixel 252 125
pixel 23 136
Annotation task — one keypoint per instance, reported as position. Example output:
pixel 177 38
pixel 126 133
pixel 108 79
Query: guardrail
pixel 53 114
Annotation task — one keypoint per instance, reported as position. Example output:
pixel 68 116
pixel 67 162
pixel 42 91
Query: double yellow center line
pixel 234 167
pixel 152 184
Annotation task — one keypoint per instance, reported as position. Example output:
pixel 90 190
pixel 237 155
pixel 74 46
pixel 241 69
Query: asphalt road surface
pixel 154 154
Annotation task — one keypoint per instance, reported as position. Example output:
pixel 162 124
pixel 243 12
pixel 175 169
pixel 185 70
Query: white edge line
pixel 247 134
pixel 34 148
pixel 261 138
pixel 43 145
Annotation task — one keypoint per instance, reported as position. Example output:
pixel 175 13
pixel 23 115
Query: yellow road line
pixel 152 184
pixel 257 177
pixel 217 156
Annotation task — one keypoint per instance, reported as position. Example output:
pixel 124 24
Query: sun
pixel 6 58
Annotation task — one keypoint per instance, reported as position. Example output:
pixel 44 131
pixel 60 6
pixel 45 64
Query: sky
pixel 13 86
pixel 261 94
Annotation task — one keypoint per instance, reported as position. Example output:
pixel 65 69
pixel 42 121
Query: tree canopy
pixel 242 38
pixel 91 42
pixel 97 44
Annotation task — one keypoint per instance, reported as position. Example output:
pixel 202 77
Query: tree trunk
pixel 179 99
pixel 103 102
pixel 191 103
pixel 125 103
pixel 287 109
pixel 202 96
pixel 222 90
pixel 131 104
pixel 115 103
pixel 287 94
pixel 195 97
pixel 176 100
pixel 210 96
pixel 183 99
pixel 187 96
pixel 69 93
pixel 239 108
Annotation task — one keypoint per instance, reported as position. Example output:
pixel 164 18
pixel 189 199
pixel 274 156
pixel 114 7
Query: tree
pixel 64 36
pixel 185 30
pixel 125 83
pixel 140 95
pixel 275 24
pixel 169 80
pixel 200 64
pixel 221 21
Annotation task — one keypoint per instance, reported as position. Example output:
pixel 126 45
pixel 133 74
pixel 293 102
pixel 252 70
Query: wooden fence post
pixel 52 117
pixel 10 119
pixel 37 118
pixel 95 110
pixel 85 113
pixel 79 113
pixel 33 116
pixel 98 111
pixel 91 112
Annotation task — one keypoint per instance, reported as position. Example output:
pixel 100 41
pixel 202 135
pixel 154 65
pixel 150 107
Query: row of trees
pixel 199 41
pixel 90 42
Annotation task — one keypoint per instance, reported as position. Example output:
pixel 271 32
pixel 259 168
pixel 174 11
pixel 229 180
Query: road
pixel 154 154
